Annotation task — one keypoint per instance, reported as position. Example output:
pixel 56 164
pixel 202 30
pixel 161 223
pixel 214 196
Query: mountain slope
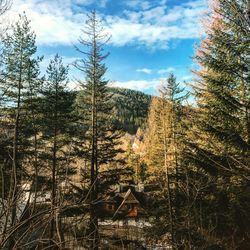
pixel 131 108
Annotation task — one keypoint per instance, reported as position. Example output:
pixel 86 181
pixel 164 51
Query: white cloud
pixel 74 85
pixel 153 25
pixel 54 22
pixel 140 85
pixel 152 85
pixel 145 71
pixel 165 71
pixel 103 3
pixel 82 2
pixel 156 26
pixel 187 78
pixel 133 3
pixel 144 5
pixel 159 71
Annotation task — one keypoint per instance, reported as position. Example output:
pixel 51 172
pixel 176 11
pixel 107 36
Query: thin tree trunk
pixel 36 174
pixel 13 186
pixel 170 208
pixel 6 208
pixel 35 143
pixel 188 215
pixel 94 231
pixel 54 170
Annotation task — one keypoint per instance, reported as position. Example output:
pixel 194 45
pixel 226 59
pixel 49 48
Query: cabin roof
pixel 129 198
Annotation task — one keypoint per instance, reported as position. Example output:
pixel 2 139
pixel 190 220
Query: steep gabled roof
pixel 129 198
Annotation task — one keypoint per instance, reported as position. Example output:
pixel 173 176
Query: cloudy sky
pixel 149 40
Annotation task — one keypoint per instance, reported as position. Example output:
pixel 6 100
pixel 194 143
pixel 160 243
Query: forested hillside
pixel 130 108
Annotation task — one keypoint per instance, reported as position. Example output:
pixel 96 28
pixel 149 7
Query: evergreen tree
pixel 220 144
pixel 101 138
pixel 173 96
pixel 32 123
pixel 57 105
pixel 154 155
pixel 164 145
pixel 17 61
pixel 164 126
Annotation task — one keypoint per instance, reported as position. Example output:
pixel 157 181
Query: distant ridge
pixel 131 108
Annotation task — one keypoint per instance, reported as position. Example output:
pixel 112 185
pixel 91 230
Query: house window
pixel 130 206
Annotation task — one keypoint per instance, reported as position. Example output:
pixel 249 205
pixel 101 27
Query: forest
pixel 113 168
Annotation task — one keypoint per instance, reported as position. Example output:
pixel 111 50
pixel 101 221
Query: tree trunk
pixel 170 208
pixel 94 230
pixel 14 179
pixel 54 170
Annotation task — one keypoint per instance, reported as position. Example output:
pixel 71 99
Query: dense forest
pixel 130 108
pixel 114 168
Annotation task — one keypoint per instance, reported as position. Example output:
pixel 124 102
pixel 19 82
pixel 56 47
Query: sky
pixel 149 38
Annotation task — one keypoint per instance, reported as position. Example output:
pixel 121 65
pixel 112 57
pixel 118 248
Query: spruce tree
pixel 57 107
pixel 164 142
pixel 221 146
pixel 164 126
pixel 19 85
pixel 18 48
pixel 154 155
pixel 32 123
pixel 223 94
pixel 173 97
pixel 101 139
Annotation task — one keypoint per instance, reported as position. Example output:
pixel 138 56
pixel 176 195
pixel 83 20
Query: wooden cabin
pixel 122 205
pixel 129 206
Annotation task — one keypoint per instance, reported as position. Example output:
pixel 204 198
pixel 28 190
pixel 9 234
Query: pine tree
pixel 154 157
pixel 164 145
pixel 164 126
pixel 101 138
pixel 225 84
pixel 16 58
pixel 57 107
pixel 173 97
pixel 32 122
pixel 221 146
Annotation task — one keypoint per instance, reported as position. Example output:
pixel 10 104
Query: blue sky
pixel 150 38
